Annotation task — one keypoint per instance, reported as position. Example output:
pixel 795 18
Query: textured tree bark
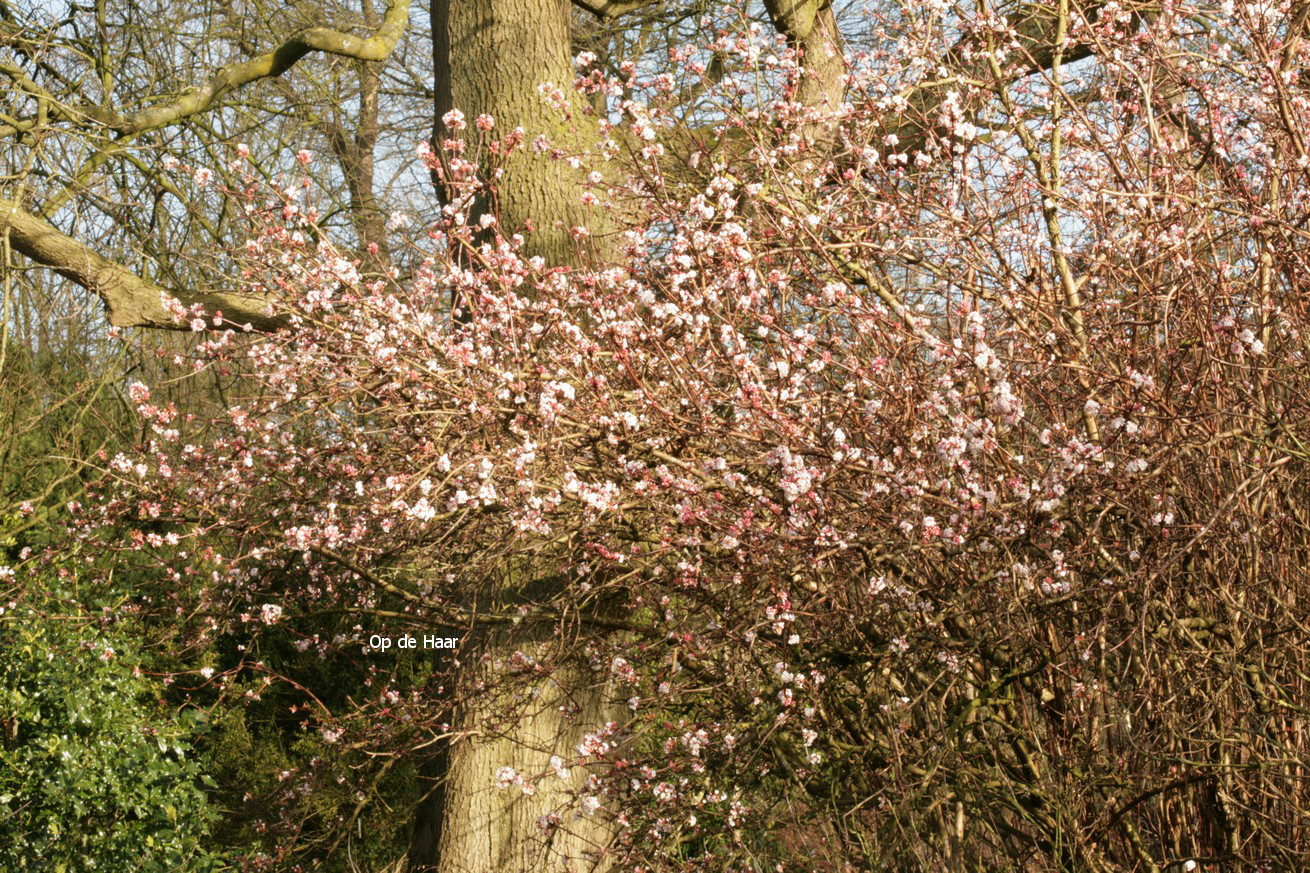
pixel 489 58
pixel 811 27
pixel 487 829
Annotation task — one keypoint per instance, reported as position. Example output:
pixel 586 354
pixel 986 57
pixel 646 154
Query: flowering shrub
pixel 923 494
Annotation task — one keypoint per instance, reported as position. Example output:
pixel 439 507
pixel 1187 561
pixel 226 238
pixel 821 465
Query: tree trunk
pixel 522 724
pixel 811 27
pixel 489 58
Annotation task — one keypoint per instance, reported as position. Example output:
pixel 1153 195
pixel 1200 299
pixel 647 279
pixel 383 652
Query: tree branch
pixel 1034 30
pixel 377 47
pixel 131 300
pixel 607 9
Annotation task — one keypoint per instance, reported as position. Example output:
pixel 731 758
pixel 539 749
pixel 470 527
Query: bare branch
pixel 607 9
pixel 130 300
pixel 377 47
pixel 1034 29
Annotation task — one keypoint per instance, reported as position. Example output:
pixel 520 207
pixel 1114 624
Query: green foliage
pixel 94 773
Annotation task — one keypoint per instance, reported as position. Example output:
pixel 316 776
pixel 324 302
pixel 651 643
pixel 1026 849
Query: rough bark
pixel 487 829
pixel 489 58
pixel 811 27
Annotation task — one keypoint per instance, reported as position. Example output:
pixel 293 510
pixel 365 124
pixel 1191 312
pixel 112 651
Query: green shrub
pixel 94 773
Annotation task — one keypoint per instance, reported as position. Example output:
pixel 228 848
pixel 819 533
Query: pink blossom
pixel 453 120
